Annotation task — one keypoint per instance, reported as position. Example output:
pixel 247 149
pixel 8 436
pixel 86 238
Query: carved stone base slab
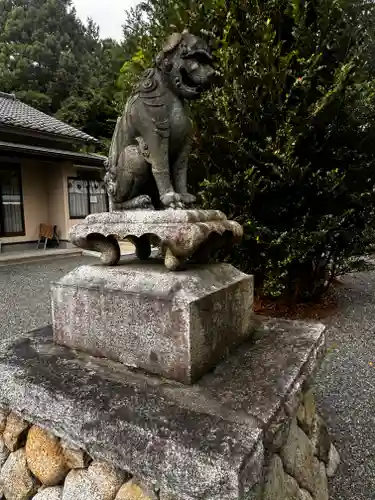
pixel 180 234
pixel 178 325
pixel 221 439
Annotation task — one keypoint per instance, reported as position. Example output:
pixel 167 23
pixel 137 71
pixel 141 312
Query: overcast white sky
pixel 108 14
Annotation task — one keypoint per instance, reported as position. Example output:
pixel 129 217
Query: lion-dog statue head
pixel 186 63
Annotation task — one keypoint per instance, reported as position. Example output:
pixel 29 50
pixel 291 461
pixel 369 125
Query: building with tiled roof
pixel 45 178
pixel 14 113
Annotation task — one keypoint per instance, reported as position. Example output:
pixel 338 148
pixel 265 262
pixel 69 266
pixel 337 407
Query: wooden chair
pixel 47 232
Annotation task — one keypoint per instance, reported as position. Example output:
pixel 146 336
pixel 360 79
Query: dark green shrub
pixel 286 144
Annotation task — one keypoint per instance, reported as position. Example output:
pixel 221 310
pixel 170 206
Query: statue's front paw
pixel 171 200
pixel 188 199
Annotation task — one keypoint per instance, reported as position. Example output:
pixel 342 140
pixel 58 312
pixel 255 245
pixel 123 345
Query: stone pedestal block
pixel 178 325
pixel 207 441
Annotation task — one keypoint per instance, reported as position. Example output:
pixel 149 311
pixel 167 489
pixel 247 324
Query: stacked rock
pixel 37 465
pixel 303 456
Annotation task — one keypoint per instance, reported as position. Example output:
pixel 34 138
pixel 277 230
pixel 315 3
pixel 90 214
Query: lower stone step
pixel 248 430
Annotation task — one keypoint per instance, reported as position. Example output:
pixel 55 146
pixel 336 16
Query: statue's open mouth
pixel 189 82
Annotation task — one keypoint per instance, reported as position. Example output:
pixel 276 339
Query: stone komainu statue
pixel 147 163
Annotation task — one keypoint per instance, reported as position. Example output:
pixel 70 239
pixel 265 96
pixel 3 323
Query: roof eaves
pixel 38 150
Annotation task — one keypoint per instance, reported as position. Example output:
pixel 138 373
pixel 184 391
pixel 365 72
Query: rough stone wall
pixel 301 456
pixel 35 464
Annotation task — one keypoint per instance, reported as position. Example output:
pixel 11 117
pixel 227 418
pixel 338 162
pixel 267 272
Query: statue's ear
pixel 172 43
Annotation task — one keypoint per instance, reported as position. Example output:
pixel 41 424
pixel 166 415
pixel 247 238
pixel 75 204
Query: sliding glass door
pixel 11 201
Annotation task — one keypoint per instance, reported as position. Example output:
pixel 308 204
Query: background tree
pixel 55 63
pixel 93 103
pixel 286 143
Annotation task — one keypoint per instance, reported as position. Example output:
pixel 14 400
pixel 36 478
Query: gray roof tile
pixel 18 114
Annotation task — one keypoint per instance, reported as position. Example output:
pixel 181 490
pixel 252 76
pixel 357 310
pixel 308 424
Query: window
pixel 11 201
pixel 86 197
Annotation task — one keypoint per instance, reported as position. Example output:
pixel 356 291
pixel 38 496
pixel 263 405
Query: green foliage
pixel 55 63
pixel 286 144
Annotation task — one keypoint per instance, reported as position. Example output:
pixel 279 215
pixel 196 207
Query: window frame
pixel 16 167
pixel 87 179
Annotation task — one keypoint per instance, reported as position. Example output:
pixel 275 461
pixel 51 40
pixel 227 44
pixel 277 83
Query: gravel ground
pixel 345 385
pixel 25 294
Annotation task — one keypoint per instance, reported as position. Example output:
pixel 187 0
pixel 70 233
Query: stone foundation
pixel 35 464
pixel 247 431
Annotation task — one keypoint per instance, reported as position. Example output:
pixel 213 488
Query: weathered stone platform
pixel 180 234
pixel 246 431
pixel 177 325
